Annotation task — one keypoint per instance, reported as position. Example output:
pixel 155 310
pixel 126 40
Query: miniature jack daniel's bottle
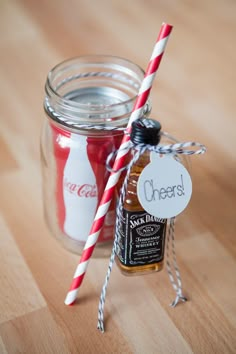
pixel 141 236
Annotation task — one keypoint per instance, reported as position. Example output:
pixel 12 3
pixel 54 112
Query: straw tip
pixel 167 24
pixel 68 303
pixel 70 300
pixel 71 297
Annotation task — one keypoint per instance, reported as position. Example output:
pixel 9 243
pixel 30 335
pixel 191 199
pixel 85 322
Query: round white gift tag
pixel 164 187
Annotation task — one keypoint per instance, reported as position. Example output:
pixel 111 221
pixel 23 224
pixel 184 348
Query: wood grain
pixel 194 98
pixel 28 295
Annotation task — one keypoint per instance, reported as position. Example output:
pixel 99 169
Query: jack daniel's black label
pixel 141 238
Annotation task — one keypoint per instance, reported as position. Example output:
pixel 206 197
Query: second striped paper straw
pixel 104 204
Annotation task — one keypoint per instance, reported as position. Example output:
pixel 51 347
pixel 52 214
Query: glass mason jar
pixel 88 103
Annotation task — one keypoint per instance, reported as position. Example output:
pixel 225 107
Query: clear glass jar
pixel 88 103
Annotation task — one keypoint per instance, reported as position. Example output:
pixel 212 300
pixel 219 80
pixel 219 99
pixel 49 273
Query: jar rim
pixel 93 92
pixel 89 59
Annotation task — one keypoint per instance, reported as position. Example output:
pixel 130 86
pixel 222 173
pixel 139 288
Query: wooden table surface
pixel 194 98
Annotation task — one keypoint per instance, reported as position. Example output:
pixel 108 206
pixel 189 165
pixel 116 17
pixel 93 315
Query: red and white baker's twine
pixel 119 163
pixel 171 261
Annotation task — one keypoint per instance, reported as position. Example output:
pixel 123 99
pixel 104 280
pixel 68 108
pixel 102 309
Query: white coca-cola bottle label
pixel 79 190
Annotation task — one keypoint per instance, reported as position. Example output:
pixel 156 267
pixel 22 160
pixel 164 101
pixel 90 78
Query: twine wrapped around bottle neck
pixel 171 261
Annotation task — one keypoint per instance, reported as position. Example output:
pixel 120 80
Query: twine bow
pixel 171 261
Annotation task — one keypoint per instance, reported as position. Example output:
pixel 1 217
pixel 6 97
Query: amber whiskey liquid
pixel 141 237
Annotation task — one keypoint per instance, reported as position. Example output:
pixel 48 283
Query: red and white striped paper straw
pixel 119 163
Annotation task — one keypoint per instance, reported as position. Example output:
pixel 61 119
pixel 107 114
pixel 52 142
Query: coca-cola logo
pixel 84 190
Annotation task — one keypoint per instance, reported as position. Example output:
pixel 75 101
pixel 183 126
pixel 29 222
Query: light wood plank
pixel 135 309
pixel 194 98
pixel 78 323
pixel 2 347
pixel 210 263
pixel 201 321
pixel 19 292
pixel 24 329
pixel 8 162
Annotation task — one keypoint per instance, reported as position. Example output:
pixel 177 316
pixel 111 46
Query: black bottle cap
pixel 145 131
